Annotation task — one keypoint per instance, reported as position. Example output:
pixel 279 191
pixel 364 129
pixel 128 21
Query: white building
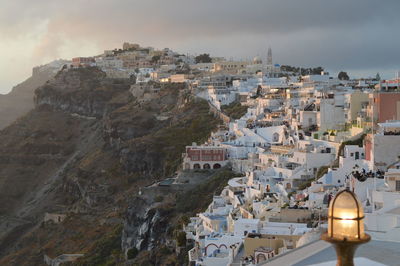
pixel 384 221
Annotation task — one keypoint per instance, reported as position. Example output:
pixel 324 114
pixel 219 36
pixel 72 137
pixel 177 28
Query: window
pixel 207 157
pixel 275 137
pixel 397 185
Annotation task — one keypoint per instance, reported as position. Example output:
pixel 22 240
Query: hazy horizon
pixel 350 36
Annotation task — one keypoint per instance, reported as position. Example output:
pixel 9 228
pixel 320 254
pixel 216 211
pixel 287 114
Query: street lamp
pixel 346 226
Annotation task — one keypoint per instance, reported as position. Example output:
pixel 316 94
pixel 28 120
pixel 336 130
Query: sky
pixel 360 36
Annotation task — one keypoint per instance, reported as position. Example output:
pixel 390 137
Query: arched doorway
pixel 211 244
pixel 223 246
pixel 196 166
pixel 206 166
pixel 217 166
pixel 260 257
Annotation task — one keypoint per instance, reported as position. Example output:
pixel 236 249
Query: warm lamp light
pixel 346 226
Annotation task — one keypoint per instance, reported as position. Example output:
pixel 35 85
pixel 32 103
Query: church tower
pixel 269 57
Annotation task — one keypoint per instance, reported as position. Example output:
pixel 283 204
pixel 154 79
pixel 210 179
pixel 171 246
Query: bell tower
pixel 269 57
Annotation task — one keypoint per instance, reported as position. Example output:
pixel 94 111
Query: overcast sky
pixel 358 36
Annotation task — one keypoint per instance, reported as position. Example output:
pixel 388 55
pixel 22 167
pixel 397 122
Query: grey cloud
pixel 340 34
pixel 210 16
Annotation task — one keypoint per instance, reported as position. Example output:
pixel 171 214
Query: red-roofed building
pixel 82 61
pixel 204 157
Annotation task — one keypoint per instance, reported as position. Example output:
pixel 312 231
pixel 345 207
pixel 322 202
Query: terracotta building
pixel 204 157
pixel 386 106
pixel 82 61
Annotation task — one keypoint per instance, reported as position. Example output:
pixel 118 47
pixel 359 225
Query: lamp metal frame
pixel 345 248
pixel 358 218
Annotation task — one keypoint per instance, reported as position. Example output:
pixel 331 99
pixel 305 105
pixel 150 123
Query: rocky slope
pixel 85 151
pixel 19 101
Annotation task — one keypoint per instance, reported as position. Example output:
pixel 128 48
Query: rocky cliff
pixel 19 101
pixel 89 150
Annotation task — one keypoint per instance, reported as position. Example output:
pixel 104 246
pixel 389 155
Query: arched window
pixel 196 166
pixel 275 137
pixel 216 166
pixel 206 166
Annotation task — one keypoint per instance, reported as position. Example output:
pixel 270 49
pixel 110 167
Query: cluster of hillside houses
pixel 302 139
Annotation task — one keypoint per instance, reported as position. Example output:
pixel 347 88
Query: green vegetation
pixel 175 138
pixel 180 239
pixel 165 250
pixel 355 124
pixel 155 59
pixel 290 194
pixel 305 184
pixel 303 70
pixel 343 75
pixel 184 220
pixel 358 142
pixel 321 171
pixel 158 198
pixel 105 251
pixel 132 253
pixel 203 58
pixel 234 110
pixel 197 199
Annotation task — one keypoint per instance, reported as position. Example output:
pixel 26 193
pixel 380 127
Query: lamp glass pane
pixel 343 215
pixel 347 229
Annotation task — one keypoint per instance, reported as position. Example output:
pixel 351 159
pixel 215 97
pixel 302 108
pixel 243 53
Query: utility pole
pixel 319 217
pixel 373 150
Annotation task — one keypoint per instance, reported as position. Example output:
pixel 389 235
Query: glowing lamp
pixel 346 226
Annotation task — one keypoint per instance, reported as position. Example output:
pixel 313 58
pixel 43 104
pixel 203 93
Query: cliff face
pixel 20 100
pixel 84 91
pixel 85 151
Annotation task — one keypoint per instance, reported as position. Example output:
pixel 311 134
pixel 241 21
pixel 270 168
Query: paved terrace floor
pixel 383 252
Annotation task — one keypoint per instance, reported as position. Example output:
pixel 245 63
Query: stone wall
pixel 219 114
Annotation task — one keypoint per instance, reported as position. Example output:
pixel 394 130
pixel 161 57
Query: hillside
pixel 19 101
pixel 85 151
